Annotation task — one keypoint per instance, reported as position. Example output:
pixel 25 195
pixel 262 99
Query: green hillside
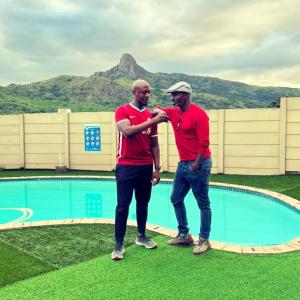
pixel 103 91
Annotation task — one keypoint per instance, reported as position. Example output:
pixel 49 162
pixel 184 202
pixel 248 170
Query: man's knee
pixel 175 199
pixel 203 202
pixel 142 208
pixel 121 209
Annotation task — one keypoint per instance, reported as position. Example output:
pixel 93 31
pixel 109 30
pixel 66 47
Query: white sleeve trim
pixel 122 121
pixel 154 135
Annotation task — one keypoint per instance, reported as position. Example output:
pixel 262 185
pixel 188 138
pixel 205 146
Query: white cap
pixel 180 87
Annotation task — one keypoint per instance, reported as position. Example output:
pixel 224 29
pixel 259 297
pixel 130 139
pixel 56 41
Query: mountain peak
pixel 127 60
pixel 127 66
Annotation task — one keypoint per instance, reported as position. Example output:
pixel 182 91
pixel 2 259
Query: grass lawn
pixel 16 264
pixel 83 269
pixel 30 251
pixel 72 262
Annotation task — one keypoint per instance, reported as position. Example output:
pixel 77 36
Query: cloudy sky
pixel 256 42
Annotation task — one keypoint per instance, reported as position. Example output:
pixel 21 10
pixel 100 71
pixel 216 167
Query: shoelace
pixel 202 242
pixel 146 238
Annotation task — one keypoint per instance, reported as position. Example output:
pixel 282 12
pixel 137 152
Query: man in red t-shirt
pixel 191 129
pixel 137 149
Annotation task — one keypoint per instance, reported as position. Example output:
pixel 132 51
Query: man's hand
pixel 155 178
pixel 160 117
pixel 156 110
pixel 195 167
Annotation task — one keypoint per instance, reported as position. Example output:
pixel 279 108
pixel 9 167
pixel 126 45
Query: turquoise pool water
pixel 239 217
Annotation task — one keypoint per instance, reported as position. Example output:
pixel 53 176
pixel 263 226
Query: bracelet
pixel 157 168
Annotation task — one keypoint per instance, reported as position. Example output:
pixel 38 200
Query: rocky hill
pixel 105 90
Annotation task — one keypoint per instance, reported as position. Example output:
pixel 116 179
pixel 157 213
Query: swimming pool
pixel 239 217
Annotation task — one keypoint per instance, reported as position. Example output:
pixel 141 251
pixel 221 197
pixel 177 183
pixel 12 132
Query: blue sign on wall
pixel 92 137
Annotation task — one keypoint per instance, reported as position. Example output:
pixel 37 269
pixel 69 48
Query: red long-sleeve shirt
pixel 191 129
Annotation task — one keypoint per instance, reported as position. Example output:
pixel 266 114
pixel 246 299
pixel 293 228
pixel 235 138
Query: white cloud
pixel 288 77
pixel 238 40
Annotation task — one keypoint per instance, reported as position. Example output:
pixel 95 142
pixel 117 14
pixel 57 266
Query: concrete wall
pixel 11 141
pixel 251 141
pixel 243 141
pixel 292 162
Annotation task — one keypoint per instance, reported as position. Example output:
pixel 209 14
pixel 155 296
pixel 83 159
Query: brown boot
pixel 182 240
pixel 202 246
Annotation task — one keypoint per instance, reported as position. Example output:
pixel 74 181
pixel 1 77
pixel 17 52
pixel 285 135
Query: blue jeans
pixel 199 182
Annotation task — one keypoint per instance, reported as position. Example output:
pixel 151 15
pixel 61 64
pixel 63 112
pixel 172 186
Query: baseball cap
pixel 180 87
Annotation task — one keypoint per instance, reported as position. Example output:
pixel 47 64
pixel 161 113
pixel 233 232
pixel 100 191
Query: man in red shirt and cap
pixel 191 128
pixel 138 150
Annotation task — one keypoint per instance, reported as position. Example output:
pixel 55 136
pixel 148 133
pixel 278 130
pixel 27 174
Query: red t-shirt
pixel 191 129
pixel 136 149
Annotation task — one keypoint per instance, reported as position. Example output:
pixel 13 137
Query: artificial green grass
pixel 44 172
pixel 61 246
pixel 16 264
pixel 285 184
pixel 168 273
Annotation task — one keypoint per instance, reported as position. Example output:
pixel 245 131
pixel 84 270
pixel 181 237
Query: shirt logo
pixel 131 117
pixel 147 131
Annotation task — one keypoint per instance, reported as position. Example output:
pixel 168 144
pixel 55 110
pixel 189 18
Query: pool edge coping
pixel 290 246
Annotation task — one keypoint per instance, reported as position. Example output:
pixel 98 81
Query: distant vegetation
pixel 103 91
